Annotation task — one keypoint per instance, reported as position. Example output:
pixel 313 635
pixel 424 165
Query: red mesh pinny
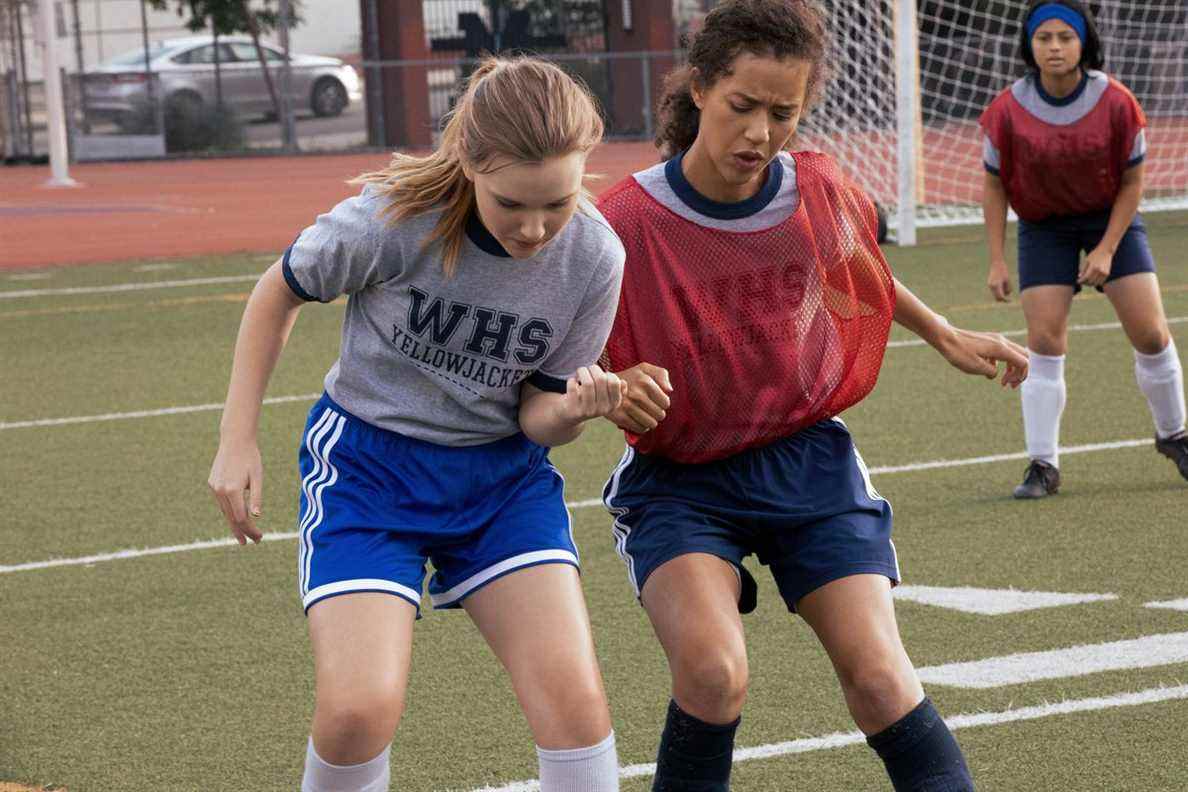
pixel 763 332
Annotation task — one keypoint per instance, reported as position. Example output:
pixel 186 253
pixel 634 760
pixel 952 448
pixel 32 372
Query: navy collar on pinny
pixel 1067 100
pixel 716 209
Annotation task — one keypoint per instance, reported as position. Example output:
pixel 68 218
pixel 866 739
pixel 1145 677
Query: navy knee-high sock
pixel 694 755
pixel 920 753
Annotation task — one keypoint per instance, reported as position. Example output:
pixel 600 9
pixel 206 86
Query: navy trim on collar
pixel 716 209
pixel 483 238
pixel 1072 97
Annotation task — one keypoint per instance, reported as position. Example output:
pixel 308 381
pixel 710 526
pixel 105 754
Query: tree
pixel 227 17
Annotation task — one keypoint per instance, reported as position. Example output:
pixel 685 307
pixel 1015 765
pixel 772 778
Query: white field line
pixel 1180 604
pixel 955 722
pixel 582 504
pixel 1072 661
pixel 985 460
pixel 192 408
pixel 79 419
pixel 992 602
pixel 916 342
pixel 127 287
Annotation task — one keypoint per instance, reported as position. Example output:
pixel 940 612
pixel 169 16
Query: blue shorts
pixel 1050 252
pixel 375 505
pixel 804 505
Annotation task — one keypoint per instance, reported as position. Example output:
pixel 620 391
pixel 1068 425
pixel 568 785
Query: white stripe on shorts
pixel 316 511
pixel 621 529
pixel 361 584
pixel 508 565
pixel 312 438
pixel 568 513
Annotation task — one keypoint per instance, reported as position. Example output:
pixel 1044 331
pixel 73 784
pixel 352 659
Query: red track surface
pixel 195 207
pixel 183 208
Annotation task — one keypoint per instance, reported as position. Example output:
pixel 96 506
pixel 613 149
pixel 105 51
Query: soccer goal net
pixel 911 78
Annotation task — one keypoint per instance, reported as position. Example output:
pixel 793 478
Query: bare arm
pixel 971 352
pixel 994 214
pixel 1097 265
pixel 553 419
pixel 236 475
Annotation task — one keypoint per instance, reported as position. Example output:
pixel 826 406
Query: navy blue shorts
pixel 804 505
pixel 1050 252
pixel 375 505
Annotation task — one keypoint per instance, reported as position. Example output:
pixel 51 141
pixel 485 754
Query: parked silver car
pixel 184 72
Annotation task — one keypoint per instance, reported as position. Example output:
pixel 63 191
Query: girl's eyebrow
pixel 753 100
pixel 499 197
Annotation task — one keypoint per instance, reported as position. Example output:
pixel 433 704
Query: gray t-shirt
pixel 442 359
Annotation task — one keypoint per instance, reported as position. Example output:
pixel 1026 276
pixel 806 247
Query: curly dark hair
pixel 766 28
pixel 1092 56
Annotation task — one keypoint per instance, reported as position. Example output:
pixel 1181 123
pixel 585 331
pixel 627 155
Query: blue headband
pixel 1056 11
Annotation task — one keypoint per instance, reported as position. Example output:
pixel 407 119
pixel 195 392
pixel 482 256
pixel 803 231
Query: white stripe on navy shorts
pixel 804 505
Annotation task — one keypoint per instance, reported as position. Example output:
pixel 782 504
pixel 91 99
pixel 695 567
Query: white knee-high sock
pixel 321 776
pixel 593 769
pixel 1043 395
pixel 1161 379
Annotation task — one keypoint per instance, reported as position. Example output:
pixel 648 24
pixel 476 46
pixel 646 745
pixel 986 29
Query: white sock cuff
pixel 577 754
pixel 1165 361
pixel 1046 367
pixel 367 776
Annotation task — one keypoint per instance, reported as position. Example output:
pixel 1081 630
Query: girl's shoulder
pixel 620 205
pixel 591 232
pixel 616 199
pixel 1118 92
pixel 1007 97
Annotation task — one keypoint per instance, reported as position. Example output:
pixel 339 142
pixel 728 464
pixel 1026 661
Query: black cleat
pixel 1040 481
pixel 1176 449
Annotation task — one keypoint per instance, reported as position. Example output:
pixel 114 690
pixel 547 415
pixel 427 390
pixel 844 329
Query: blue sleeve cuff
pixel 291 279
pixel 546 383
pixel 1136 161
pixel 991 169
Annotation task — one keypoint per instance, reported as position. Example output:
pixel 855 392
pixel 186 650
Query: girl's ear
pixel 695 89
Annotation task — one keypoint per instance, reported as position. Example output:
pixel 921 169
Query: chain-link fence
pixel 139 81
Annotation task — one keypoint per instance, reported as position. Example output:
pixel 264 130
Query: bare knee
pixel 712 685
pixel 1151 341
pixel 569 716
pixel 353 727
pixel 1047 341
pixel 880 693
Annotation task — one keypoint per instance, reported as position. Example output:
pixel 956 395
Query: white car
pixel 184 72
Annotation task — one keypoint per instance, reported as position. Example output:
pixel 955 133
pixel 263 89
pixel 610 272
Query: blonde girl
pixel 481 288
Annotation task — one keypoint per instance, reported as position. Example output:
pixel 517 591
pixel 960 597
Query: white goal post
pixel 911 78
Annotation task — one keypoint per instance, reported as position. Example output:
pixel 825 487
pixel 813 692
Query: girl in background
pixel 1065 146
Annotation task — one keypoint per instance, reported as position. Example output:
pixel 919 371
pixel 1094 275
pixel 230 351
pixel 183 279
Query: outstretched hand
pixel 980 353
